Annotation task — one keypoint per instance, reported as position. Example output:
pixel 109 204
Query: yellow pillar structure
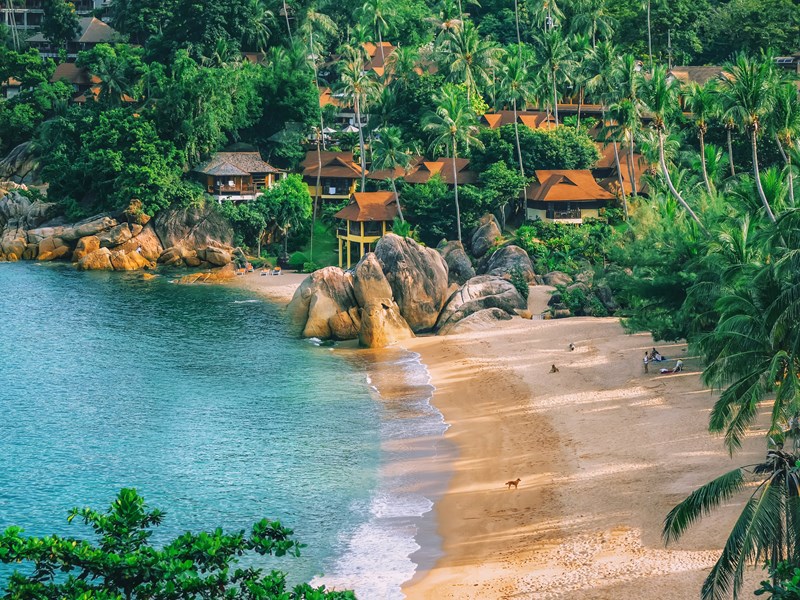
pixel 340 253
pixel 361 242
pixel 348 249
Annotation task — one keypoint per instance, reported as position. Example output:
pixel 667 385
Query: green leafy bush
pixel 519 282
pixel 297 260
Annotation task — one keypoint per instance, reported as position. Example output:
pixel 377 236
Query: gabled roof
pixel 606 169
pixel 701 75
pixel 443 167
pixel 530 118
pixel 90 31
pixel 235 163
pixel 334 164
pixel 326 97
pixel 74 75
pixel 370 206
pixel 383 174
pixel 566 186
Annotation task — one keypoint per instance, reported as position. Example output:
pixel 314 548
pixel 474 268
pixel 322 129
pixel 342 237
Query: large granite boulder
pixel 485 236
pixel 418 278
pixel 322 296
pixel 369 282
pixel 52 248
pixel 606 297
pixel 99 260
pixel 193 227
pixel 172 257
pixel 20 165
pixel 505 260
pixel 86 245
pixel 459 266
pixel 17 215
pixel 382 324
pixel 145 242
pixel 128 261
pixel 482 320
pixel 480 293
pixel 115 236
pixel 555 278
pixel 345 325
pixel 219 257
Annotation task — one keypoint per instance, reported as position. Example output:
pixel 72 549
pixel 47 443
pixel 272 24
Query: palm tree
pixel 375 12
pixel 660 95
pixel 401 64
pixel 260 18
pixel 768 528
pixel 556 58
pixel 359 87
pixel 469 57
pixel 516 87
pixel 592 18
pixel 452 125
pixel 545 14
pixel 390 153
pixel 582 51
pixel 627 76
pixel 748 96
pixel 786 125
pixel 647 6
pixel 702 101
pixel 730 125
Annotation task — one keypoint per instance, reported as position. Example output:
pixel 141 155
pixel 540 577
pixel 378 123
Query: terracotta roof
pixel 566 186
pixel 530 118
pixel 90 31
pixel 224 163
pixel 699 75
pixel 383 174
pixel 334 164
pixel 443 167
pixel 370 206
pixel 11 82
pixel 378 60
pixel 256 58
pixel 73 74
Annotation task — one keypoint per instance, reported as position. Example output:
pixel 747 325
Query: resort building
pixel 443 167
pixel 605 171
pixel 10 88
pixel 565 197
pixel 28 14
pixel 365 220
pixel 398 173
pixel 533 119
pixel 237 176
pixel 337 173
pixel 91 31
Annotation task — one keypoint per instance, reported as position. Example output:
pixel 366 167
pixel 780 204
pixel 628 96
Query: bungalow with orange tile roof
pixel 605 171
pixel 237 176
pixel 10 88
pixel 532 119
pixel 565 196
pixel 365 220
pixel 338 174
pixel 443 167
pixel 398 172
pixel 91 31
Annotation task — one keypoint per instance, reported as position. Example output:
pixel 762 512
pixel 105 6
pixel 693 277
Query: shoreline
pixel 603 450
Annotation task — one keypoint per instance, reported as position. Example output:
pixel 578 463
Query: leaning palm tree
pixel 359 87
pixel 390 153
pixel 660 95
pixel 375 13
pixel 556 58
pixel 767 530
pixel 469 58
pixel 748 96
pixel 452 125
pixel 785 122
pixel 702 100
pixel 516 87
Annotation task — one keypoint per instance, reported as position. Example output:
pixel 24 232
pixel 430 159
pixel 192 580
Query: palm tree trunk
pixel 455 188
pixel 757 175
pixel 672 189
pixel 519 150
pixel 730 152
pixel 649 38
pixel 555 99
pixel 780 147
pixel 397 199
pixel 631 168
pixel 380 45
pixel 288 27
pixel 791 181
pixel 621 181
pixel 516 18
pixel 316 198
pixel 703 161
pixel 361 145
pixel 580 105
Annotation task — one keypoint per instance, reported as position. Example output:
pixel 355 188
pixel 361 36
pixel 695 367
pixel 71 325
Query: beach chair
pixel 276 271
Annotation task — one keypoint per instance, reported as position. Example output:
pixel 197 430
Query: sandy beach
pixel 602 449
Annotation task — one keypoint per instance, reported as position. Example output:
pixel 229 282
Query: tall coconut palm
pixel 582 50
pixel 258 31
pixel 768 529
pixel 702 100
pixel 470 59
pixel 391 154
pixel 592 18
pixel 401 64
pixel 660 95
pixel 359 87
pixel 454 124
pixel 515 88
pixel 557 59
pixel 375 13
pixel 748 96
pixel 785 120
pixel 627 77
pixel 546 14
pixel 647 6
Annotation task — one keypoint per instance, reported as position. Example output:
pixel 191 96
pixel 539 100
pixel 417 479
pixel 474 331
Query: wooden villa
pixel 365 220
pixel 443 167
pixel 338 174
pixel 605 171
pixel 532 119
pixel 237 176
pixel 565 197
pixel 91 32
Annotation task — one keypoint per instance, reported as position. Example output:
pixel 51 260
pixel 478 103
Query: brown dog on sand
pixel 515 483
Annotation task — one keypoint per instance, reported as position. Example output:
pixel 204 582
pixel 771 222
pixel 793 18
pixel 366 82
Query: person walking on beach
pixel 646 360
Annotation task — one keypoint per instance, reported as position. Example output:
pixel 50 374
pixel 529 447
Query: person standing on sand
pixel 646 360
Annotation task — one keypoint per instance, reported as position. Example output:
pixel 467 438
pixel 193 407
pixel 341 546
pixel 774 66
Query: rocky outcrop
pixel 116 236
pixel 555 278
pixel 145 241
pixel 505 260
pixel 482 320
pixel 218 257
pixel 85 246
pixel 99 260
pixel 18 214
pixel 382 324
pixel 193 227
pixel 345 325
pixel 459 266
pixel 129 261
pixel 52 248
pixel 369 282
pixel 485 236
pixel 20 166
pixel 216 275
pixel 321 297
pixel 418 278
pixel 478 294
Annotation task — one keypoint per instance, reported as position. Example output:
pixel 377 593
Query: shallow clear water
pixel 199 398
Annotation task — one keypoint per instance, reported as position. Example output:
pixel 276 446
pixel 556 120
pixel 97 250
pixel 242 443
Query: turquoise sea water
pixel 198 397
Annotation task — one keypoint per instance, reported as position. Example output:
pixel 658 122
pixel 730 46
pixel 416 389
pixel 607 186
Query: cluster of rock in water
pixel 182 237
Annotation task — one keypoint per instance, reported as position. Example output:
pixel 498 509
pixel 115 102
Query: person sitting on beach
pixel 656 355
pixel 554 369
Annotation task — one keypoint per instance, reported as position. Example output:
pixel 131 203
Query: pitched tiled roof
pixel 334 164
pixel 699 75
pixel 443 167
pixel 383 174
pixel 90 31
pixel 530 118
pixel 566 186
pixel 73 74
pixel 370 206
pixel 243 162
